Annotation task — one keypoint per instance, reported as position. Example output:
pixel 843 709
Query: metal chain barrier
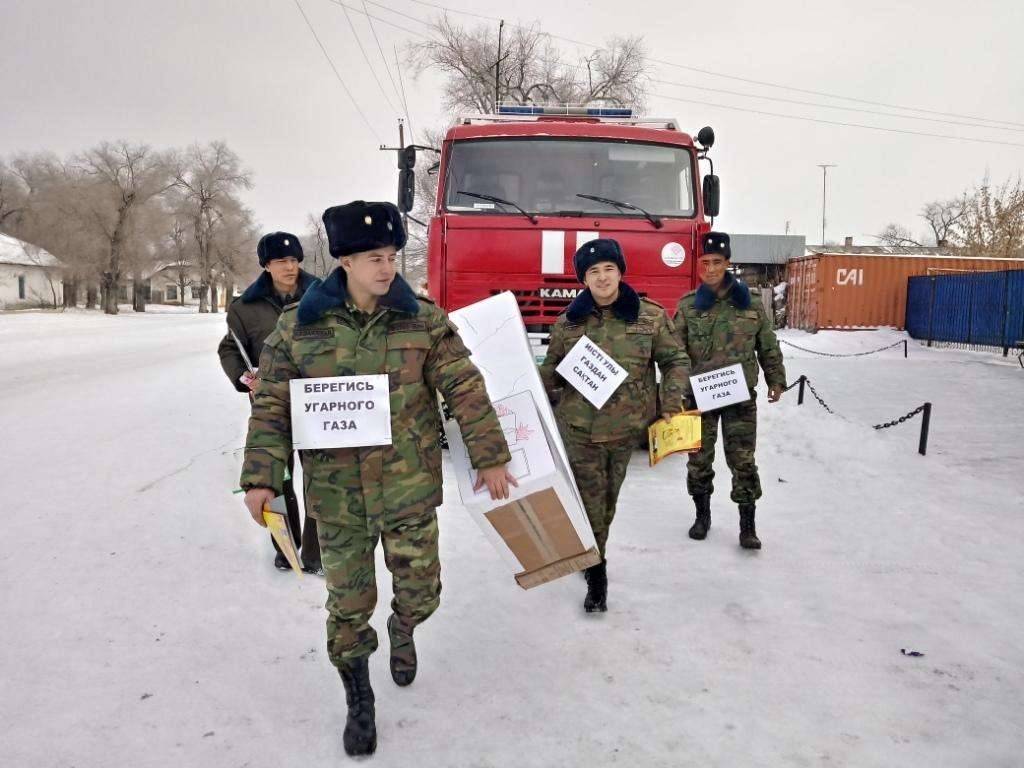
pixel 901 419
pixel 849 354
pixel 926 408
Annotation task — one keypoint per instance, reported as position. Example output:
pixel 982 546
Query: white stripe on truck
pixel 552 252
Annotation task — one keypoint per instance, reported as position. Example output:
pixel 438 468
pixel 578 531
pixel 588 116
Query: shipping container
pixel 840 290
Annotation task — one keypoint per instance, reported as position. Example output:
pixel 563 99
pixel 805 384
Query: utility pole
pixel 497 68
pixel 399 148
pixel 824 174
pixel 405 216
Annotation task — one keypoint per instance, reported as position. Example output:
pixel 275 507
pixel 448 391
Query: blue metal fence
pixel 975 308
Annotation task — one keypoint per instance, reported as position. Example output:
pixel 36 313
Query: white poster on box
pixel 493 331
pixel 591 371
pixel 721 387
pixel 340 411
pixel 527 443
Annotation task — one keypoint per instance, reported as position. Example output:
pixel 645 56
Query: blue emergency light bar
pixel 528 109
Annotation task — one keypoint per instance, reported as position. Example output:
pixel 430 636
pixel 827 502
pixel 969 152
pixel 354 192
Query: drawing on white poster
pixel 524 433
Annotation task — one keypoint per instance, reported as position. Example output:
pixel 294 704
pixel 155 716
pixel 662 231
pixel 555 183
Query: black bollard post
pixel 925 421
pixel 800 392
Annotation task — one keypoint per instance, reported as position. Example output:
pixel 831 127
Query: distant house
pixel 849 249
pixel 176 283
pixel 29 276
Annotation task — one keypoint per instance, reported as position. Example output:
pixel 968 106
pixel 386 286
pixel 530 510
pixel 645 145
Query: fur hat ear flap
pixel 360 226
pixel 278 245
pixel 594 251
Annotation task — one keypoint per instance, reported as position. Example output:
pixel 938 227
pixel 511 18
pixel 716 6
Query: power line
pixel 336 73
pixel 836 122
pixel 382 21
pixel 453 10
pixel 380 50
pixel 399 13
pixel 367 60
pixel 834 106
pixel 398 68
pixel 738 78
pixel 834 95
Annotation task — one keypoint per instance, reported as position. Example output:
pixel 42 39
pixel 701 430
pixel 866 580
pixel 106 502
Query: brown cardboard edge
pixel 558 569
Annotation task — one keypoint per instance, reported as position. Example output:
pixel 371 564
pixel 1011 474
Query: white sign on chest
pixel 592 372
pixel 341 411
pixel 720 387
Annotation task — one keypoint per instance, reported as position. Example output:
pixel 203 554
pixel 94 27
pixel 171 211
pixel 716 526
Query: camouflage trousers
pixel 599 469
pixel 739 432
pixel 410 553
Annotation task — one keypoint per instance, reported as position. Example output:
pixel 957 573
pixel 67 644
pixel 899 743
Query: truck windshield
pixel 543 175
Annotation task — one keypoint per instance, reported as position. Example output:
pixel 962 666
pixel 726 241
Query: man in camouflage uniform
pixel 637 334
pixel 719 325
pixel 251 318
pixel 365 319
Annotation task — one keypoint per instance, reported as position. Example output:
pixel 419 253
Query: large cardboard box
pixel 542 532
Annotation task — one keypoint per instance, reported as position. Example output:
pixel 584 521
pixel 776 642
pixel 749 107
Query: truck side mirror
pixel 407 158
pixel 406 189
pixel 712 195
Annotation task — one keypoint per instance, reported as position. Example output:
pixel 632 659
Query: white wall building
pixel 29 276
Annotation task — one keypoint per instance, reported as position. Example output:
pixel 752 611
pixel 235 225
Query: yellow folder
pixel 681 433
pixel 275 515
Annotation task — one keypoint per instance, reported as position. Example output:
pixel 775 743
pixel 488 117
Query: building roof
pixel 765 249
pixel 881 250
pixel 20 253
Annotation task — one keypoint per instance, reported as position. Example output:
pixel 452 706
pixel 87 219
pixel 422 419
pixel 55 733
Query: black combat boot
pixel 281 562
pixel 699 529
pixel 596 600
pixel 403 652
pixel 360 736
pixel 748 535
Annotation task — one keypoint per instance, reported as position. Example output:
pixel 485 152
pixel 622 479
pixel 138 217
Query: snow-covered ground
pixel 143 624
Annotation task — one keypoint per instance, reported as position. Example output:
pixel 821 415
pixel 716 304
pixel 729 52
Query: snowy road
pixel 142 623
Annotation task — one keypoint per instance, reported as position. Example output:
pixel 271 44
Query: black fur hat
pixel 360 226
pixel 594 251
pixel 278 245
pixel 718 242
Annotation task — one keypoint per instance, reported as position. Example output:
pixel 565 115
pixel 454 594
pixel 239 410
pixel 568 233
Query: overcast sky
pixel 172 72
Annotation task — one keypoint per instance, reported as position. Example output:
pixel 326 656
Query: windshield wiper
pixel 624 206
pixel 499 201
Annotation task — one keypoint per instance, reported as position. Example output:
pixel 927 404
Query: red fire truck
pixel 520 191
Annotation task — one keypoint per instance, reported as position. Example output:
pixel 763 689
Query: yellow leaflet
pixel 681 433
pixel 278 525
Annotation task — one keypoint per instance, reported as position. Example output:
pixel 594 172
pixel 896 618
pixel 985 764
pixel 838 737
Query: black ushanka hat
pixel 361 226
pixel 594 251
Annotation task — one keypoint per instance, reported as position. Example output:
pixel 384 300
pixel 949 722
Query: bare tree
pixel 123 177
pixel 943 216
pixel 993 220
pixel 318 261
pixel 896 235
pixel 13 197
pixel 209 177
pixel 233 243
pixel 532 69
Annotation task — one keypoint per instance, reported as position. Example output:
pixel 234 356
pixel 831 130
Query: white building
pixel 29 276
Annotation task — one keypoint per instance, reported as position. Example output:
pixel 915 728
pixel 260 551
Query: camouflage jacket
pixel 410 340
pixel 717 332
pixel 636 333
